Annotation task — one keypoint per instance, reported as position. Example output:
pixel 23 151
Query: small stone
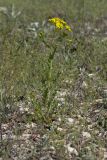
pixel 61 99
pixel 68 81
pixel 70 121
pixel 86 135
pixel 91 75
pixel 26 136
pixel 4 137
pixel 5 126
pixel 28 125
pixel 71 150
pixel 59 119
pixel 97 111
pixel 84 84
pixel 60 129
pixel 105 155
pixel 15 146
pixel 26 109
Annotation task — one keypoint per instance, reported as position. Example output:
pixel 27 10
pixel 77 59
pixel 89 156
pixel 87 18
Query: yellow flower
pixel 59 23
pixel 68 28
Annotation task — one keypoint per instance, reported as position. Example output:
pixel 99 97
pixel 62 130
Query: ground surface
pixel 53 84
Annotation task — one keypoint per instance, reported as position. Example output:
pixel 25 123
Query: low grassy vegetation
pixel 53 82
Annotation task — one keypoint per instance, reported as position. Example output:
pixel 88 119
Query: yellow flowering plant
pixel 54 43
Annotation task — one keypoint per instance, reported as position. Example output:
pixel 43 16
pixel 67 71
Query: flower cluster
pixel 59 23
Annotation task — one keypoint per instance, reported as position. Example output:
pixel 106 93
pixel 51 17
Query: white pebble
pixel 70 121
pixel 86 134
pixel 72 150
